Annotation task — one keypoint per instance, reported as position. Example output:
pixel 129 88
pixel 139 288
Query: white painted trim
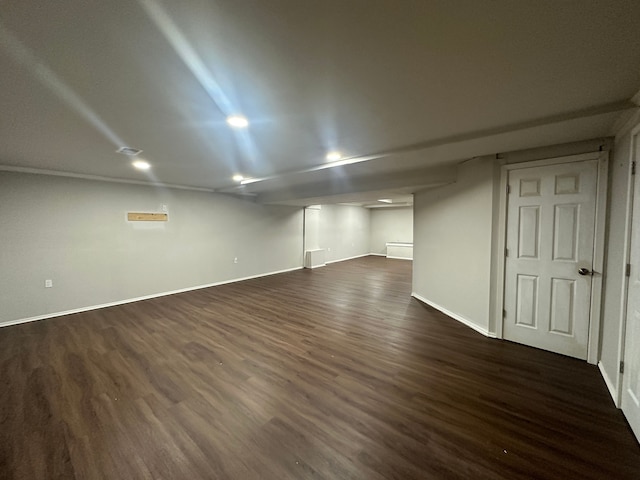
pixel 599 249
pixel 469 323
pixel 581 157
pixel 498 306
pixel 599 240
pixel 137 299
pixel 623 125
pixel 348 258
pixel 316 266
pixel 377 254
pixel 400 258
pixel 394 205
pixel 613 391
pixel 99 178
pixel 624 298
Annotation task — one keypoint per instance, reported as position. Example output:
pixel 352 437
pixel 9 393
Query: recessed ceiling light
pixel 238 121
pixel 238 178
pixel 141 164
pixel 385 200
pixel 129 151
pixel 334 156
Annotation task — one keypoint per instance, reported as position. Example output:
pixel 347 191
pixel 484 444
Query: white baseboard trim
pixel 455 316
pixel 348 258
pixel 316 266
pixel 378 254
pixel 399 258
pixel 137 299
pixel 613 391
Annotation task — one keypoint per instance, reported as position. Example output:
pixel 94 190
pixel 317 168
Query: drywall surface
pixel 452 243
pixel 390 225
pixel 344 231
pixel 75 232
pixel 615 261
pixel 312 227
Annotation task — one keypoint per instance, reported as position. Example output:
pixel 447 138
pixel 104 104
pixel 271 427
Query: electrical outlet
pixel 235 260
pixel 48 283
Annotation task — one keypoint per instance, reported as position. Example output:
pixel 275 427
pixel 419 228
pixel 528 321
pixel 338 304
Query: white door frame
pixel 635 139
pixel 599 241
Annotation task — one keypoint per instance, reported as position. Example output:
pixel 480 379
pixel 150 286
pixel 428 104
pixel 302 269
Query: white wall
pixel 344 231
pixel 75 232
pixel 452 255
pixel 390 225
pixel 312 227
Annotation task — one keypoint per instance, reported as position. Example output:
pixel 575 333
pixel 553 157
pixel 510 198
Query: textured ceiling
pixel 399 86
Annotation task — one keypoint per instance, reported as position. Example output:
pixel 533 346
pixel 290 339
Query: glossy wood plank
pixel 334 373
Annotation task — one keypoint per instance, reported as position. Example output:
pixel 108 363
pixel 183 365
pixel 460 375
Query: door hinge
pixel 633 168
pixel 504 314
pixel 509 187
pixel 621 367
pixel 628 270
pixel 506 252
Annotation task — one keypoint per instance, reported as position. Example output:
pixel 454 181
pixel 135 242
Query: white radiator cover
pixel 314 258
pixel 401 250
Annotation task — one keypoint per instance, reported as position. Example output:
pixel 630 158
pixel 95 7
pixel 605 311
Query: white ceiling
pixel 405 88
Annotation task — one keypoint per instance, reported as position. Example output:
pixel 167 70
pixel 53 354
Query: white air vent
pixel 131 152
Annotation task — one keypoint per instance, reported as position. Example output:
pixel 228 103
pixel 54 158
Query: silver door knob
pixel 585 271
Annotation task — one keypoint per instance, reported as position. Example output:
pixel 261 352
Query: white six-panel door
pixel 548 265
pixel 631 376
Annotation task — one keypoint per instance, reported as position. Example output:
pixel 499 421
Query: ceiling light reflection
pixel 334 156
pixel 238 121
pixel 141 164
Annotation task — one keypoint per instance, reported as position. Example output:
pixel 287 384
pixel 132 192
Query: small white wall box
pixel 314 258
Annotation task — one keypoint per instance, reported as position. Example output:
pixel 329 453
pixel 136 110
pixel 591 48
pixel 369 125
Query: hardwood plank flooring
pixel 334 373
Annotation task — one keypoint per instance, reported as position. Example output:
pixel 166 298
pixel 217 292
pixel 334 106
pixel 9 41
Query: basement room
pixel 337 239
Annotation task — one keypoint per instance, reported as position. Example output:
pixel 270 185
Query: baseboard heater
pixel 400 250
pixel 314 258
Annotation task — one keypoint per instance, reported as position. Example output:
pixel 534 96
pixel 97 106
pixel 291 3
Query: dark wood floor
pixel 334 373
